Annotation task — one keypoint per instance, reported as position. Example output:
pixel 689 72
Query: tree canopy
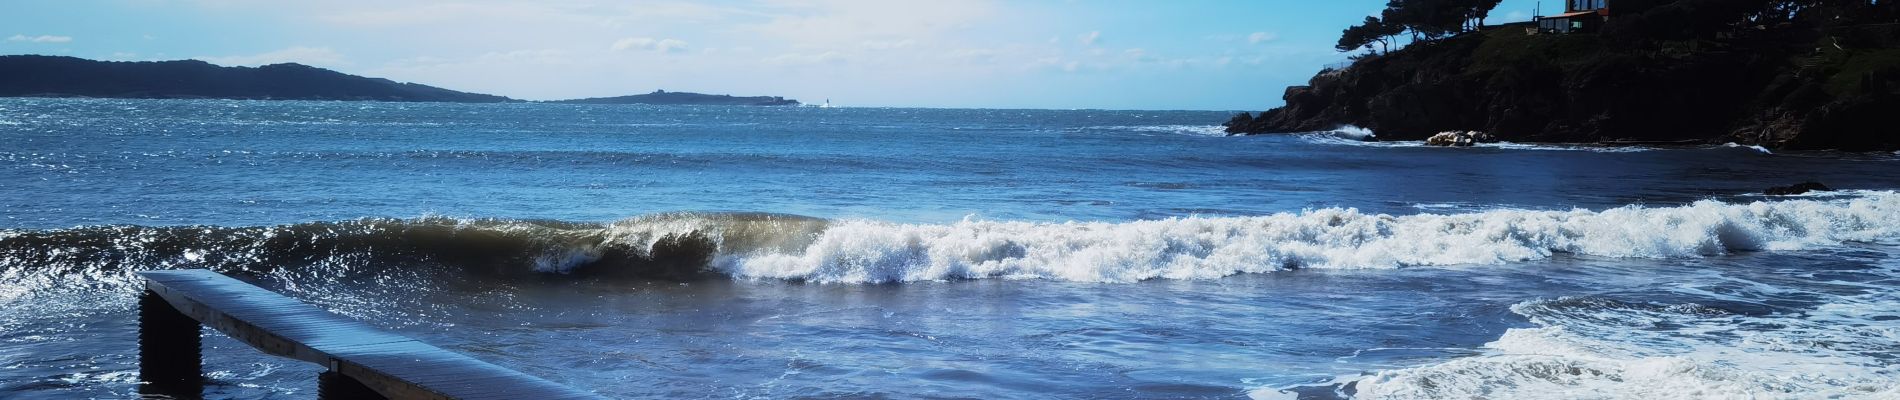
pixel 1636 20
pixel 1424 19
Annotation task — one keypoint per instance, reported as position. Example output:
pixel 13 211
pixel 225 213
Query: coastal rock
pixel 1460 139
pixel 1443 139
pixel 1798 188
pixel 1242 119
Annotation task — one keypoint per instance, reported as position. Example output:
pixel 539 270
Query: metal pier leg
pixel 170 361
pixel 335 386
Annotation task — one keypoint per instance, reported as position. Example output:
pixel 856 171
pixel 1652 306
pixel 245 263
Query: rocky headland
pixel 59 76
pixel 1812 75
pixel 56 76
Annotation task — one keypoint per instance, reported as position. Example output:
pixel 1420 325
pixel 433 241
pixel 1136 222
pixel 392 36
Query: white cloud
pixel 879 45
pixel 830 24
pixel 650 44
pixel 1262 37
pixel 1056 63
pixel 1516 16
pixel 1088 39
pixel 317 56
pixel 541 56
pixel 976 56
pixel 829 57
pixel 40 39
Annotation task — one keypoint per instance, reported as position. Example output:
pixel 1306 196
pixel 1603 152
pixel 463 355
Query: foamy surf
pixel 1356 136
pixel 861 251
pixel 784 247
pixel 1602 348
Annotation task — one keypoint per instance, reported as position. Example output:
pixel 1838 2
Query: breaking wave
pixel 787 247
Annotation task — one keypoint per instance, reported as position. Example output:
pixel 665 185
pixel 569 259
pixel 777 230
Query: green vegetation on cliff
pixel 1817 74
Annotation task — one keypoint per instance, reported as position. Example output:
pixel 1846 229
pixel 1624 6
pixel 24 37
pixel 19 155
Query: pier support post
pixel 170 360
pixel 335 386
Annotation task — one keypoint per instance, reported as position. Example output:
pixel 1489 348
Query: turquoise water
pixel 852 252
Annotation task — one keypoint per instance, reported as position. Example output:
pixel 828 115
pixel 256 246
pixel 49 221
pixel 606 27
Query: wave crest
pixel 862 251
pixel 775 246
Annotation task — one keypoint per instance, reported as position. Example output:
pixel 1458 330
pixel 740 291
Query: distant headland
pixel 54 76
pixel 59 76
pixel 1807 74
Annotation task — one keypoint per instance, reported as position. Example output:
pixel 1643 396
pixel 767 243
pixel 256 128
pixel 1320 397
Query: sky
pixel 1109 54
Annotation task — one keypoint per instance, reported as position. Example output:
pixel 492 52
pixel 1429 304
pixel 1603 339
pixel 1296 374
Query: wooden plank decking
pixel 395 366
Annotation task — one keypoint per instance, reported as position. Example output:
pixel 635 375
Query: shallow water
pixel 784 252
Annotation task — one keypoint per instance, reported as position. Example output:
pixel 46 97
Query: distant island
pixel 59 76
pixel 55 76
pixel 663 97
pixel 1788 74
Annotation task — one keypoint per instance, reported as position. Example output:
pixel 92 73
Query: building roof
pixel 1574 14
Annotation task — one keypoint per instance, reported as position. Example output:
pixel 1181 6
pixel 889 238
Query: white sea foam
pixel 1591 348
pixel 1357 136
pixel 1567 147
pixel 1733 145
pixel 1348 138
pixel 1352 132
pixel 1351 135
pixel 1191 130
pixel 855 251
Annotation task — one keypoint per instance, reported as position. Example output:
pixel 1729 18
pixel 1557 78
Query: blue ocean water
pixel 773 252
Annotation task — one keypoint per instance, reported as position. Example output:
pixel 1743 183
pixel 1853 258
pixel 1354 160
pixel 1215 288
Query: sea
pixel 801 252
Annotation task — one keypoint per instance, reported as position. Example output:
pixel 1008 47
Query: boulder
pixel 1460 138
pixel 1443 139
pixel 1798 188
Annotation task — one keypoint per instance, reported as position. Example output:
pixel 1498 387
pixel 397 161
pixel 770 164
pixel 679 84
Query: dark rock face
pixel 50 76
pixel 1798 188
pixel 1772 88
pixel 688 98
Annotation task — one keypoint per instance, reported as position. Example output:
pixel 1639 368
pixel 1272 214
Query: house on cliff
pixel 1579 16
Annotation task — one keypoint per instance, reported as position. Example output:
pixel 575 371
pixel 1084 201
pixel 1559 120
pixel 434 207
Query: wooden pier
pixel 362 362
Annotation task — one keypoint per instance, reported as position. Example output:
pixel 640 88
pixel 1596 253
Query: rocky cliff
pixel 1793 85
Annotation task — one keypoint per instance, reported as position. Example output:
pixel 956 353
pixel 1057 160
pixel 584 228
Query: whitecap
pixel 867 251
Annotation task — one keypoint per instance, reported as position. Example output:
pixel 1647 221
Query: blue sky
pixel 1153 54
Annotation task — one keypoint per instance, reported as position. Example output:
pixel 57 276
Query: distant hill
pixel 53 76
pixel 687 98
